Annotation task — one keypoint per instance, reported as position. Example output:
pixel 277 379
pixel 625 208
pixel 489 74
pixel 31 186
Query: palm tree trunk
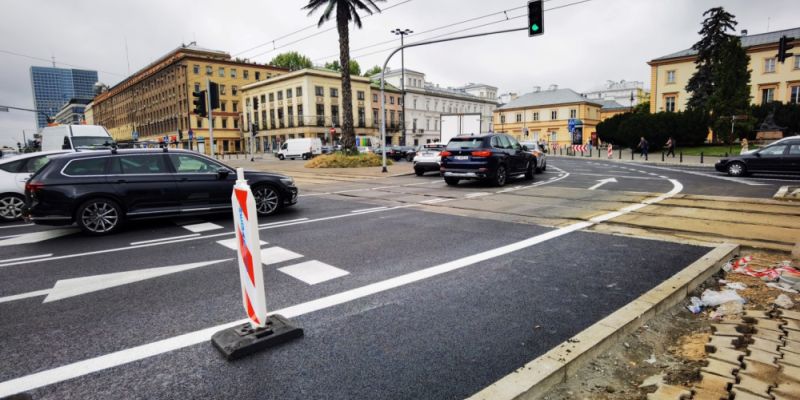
pixel 348 132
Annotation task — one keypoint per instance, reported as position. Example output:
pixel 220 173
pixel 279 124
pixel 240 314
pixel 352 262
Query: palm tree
pixel 346 11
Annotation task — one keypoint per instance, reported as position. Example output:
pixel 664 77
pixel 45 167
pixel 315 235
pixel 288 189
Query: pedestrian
pixel 744 146
pixel 643 146
pixel 671 147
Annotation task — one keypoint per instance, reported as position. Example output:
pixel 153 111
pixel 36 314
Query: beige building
pixel 156 101
pixel 769 79
pixel 545 116
pixel 308 104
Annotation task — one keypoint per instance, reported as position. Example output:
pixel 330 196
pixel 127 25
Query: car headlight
pixel 288 181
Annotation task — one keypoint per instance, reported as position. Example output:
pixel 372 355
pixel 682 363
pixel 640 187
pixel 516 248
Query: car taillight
pixel 481 153
pixel 445 154
pixel 33 187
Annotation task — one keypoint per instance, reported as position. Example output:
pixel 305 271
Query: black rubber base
pixel 242 340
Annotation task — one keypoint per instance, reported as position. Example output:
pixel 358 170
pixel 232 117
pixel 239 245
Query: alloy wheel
pixel 11 207
pixel 99 217
pixel 267 200
pixel 736 169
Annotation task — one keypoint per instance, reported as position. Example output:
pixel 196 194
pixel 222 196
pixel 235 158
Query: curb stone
pixel 537 377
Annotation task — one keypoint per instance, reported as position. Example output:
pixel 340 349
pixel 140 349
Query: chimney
pixel 537 89
pixel 513 96
pixel 553 87
pixel 744 32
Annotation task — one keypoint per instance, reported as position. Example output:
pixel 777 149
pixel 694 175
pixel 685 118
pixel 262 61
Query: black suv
pixel 493 157
pixel 98 190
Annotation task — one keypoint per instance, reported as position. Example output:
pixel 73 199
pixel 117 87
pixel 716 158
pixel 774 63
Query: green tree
pixel 346 11
pixel 373 71
pixel 292 60
pixel 713 37
pixel 355 69
pixel 731 94
pixel 642 108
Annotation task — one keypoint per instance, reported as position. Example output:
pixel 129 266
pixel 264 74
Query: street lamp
pixel 402 33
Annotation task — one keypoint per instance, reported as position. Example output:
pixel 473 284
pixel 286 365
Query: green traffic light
pixel 535 28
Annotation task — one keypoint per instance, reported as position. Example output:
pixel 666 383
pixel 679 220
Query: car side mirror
pixel 524 148
pixel 757 154
pixel 223 173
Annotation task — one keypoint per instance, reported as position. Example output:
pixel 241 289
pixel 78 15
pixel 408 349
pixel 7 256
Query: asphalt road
pixel 448 303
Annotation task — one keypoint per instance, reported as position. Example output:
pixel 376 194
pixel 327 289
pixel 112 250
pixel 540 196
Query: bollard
pixel 726 154
pixel 581 153
pixel 559 151
pixel 620 153
pixel 681 157
pixel 701 157
pixel 631 154
pixel 662 156
pixel 645 156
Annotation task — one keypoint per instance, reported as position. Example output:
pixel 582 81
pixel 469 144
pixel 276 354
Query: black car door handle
pixel 122 181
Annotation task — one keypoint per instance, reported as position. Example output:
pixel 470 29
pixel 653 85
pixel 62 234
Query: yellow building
pixel 88 114
pixel 157 100
pixel 545 116
pixel 769 79
pixel 308 104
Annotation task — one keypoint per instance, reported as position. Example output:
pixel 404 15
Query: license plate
pixel 461 158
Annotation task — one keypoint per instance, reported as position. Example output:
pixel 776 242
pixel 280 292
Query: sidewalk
pixel 653 158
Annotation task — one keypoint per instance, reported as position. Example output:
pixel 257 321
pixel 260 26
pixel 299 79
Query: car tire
pixel 409 158
pixel 11 206
pixel 544 165
pixel 419 171
pixel 451 181
pixel 281 157
pixel 268 199
pixel 305 156
pixel 99 216
pixel 529 172
pixel 536 168
pixel 737 169
pixel 500 176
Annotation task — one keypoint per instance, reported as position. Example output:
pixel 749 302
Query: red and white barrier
pixel 245 218
pixel 579 147
pixel 610 152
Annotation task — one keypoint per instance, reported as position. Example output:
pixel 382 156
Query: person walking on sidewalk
pixel 671 147
pixel 643 146
pixel 744 146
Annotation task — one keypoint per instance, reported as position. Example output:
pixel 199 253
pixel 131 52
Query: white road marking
pixel 204 227
pixel 234 245
pixel 435 201
pixel 618 176
pixel 276 255
pixel 15 226
pixel 122 357
pixel 724 178
pixel 26 258
pixel 369 209
pixel 166 238
pixel 66 288
pixel 36 237
pixel 476 194
pixel 282 222
pixel 313 272
pixel 8 237
pixel 603 182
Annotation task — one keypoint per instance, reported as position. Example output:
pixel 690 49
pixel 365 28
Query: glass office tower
pixel 54 87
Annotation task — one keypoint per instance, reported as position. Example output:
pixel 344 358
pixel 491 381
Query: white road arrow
pixel 36 237
pixel 77 286
pixel 603 182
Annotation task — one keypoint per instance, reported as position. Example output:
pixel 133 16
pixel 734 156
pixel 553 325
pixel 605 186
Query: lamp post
pixel 402 33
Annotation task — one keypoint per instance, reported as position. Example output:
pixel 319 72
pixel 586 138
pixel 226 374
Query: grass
pixel 339 160
pixel 717 151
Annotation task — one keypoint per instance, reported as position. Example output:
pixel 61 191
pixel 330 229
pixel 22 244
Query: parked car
pixel 99 190
pixel 304 148
pixel 539 153
pixel 780 157
pixel 402 152
pixel 494 157
pixel 428 158
pixel 412 152
pixel 14 172
pixel 75 137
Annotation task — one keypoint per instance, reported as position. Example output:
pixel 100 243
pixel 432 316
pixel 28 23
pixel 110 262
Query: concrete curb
pixel 537 377
pixel 713 160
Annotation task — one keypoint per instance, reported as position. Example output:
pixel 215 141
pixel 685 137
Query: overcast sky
pixel 584 45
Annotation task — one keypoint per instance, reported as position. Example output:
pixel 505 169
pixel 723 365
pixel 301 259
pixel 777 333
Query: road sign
pixel 571 124
pixel 333 130
pixel 201 139
pixel 191 134
pixel 135 135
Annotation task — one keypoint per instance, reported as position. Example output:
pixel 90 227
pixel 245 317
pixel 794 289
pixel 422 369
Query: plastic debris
pixel 736 285
pixel 651 360
pixel 726 309
pixel 782 286
pixel 712 298
pixel 784 301
pixel 696 306
pixel 770 274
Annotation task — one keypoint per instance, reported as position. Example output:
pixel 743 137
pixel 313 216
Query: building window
pixel 258 75
pixel 519 117
pixel 263 101
pixel 300 115
pixel 374 98
pixel 670 103
pixel 196 69
pixel 375 121
pixel 573 113
pixel 233 72
pixel 298 91
pixel 360 95
pixel 280 118
pixel 334 92
pixel 196 87
pixel 280 95
pixel 272 97
pixel 288 93
pixel 769 65
pixel 235 106
pixel 794 95
pixel 502 119
pixel 290 114
pixel 670 76
pixel 536 116
pixel 335 115
pixel 235 123
pixel 221 89
pixel 209 70
pixel 767 95
pixel 362 117
pixel 222 106
pixel 391 99
pixel 320 115
pixel 234 90
pixel 414 125
pixel 319 91
pixel 554 114
pixel 271 119
pixel 246 74
pixel 221 72
pixel 224 122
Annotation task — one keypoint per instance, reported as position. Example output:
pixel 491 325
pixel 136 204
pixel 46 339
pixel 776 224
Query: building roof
pixel 323 72
pixel 610 104
pixel 386 86
pixel 547 97
pixel 476 85
pixel 747 41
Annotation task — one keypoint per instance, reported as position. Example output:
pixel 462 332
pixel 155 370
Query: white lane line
pixel 313 272
pixel 166 238
pixel 15 226
pixel 435 201
pixel 477 194
pixel 276 225
pixel 724 178
pixel 663 177
pixel 122 357
pixel 204 227
pixel 282 222
pixel 36 237
pixel 313 194
pixel 25 295
pixel 276 255
pixel 619 176
pixel 8 237
pixel 234 245
pixel 26 258
pixel 369 209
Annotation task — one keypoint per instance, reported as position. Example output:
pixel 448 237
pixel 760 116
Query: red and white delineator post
pixel 245 222
pixel 610 151
pixel 262 330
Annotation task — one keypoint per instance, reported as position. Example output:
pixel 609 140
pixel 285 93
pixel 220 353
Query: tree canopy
pixel 713 37
pixel 373 71
pixel 355 69
pixel 292 60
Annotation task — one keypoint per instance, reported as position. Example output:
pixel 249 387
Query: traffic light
pixel 254 129
pixel 535 18
pixel 213 91
pixel 200 103
pixel 783 47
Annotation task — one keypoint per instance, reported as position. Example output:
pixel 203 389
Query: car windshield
pixel 464 143
pixel 91 141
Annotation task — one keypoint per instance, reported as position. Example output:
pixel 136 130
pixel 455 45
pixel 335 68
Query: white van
pixel 75 137
pixel 300 148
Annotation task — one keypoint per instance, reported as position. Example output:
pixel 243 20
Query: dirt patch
pixel 671 345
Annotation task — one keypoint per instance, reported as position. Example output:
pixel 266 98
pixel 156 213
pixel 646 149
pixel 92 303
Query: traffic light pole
pixel 210 115
pixel 417 44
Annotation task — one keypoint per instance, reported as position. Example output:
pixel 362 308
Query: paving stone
pixel 756 386
pixel 789 373
pixel 791 346
pixel 763 344
pixel 789 314
pixel 769 324
pixel 775 336
pixel 739 394
pixel 720 368
pixel 727 330
pixel 712 385
pixel 757 314
pixel 704 394
pixel 792 325
pixel 728 355
pixel 791 359
pixel 787 390
pixel 759 370
pixel 720 342
pixel 761 356
pixel 670 392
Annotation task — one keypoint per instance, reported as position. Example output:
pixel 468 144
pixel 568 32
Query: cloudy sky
pixel 585 44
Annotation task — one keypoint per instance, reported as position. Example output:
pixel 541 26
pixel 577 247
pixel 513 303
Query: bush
pixel 339 160
pixel 686 128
